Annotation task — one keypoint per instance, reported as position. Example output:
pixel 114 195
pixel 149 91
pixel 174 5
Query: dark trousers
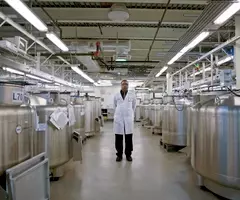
pixel 128 144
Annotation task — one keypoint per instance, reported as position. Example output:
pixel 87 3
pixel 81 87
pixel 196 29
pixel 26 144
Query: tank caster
pixel 153 133
pixel 54 179
pixel 202 187
pixel 142 125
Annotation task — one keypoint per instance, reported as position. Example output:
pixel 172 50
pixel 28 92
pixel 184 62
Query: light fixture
pixel 103 83
pixel 140 88
pixel 58 42
pixel 81 73
pixel 201 71
pixel 58 84
pixel 62 59
pixel 14 71
pixel 38 78
pixel 190 45
pixel 135 83
pixel 25 11
pixel 121 60
pixel 161 71
pixel 224 60
pixel 229 12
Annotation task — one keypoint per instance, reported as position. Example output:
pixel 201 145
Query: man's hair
pixel 124 81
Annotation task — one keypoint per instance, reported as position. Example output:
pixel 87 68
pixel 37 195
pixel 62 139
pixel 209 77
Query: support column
pixel 237 52
pixel 38 61
pixel 169 83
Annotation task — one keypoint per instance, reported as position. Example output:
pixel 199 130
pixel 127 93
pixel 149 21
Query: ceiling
pixel 83 23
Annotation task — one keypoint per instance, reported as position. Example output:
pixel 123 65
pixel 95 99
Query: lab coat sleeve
pixel 134 103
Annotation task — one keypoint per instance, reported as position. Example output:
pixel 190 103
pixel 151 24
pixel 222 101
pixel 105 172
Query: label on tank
pixel 42 127
pixel 18 129
pixel 17 96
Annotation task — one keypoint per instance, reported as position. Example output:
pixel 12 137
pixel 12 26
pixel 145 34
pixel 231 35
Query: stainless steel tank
pixel 79 111
pixel 174 128
pixel 89 117
pixel 215 151
pixel 141 111
pixel 59 140
pixel 16 127
pixel 158 115
pixel 137 113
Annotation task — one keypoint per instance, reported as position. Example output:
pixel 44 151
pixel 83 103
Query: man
pixel 124 104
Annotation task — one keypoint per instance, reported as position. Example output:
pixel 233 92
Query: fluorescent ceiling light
pixel 139 88
pixel 58 84
pixel 161 71
pixel 229 12
pixel 190 45
pixel 59 43
pixel 37 78
pixel 224 60
pixel 103 83
pixel 14 71
pixel 25 11
pixel 62 59
pixel 121 60
pixel 81 73
pixel 201 71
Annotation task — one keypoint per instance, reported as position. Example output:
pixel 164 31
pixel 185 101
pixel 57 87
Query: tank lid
pixel 11 94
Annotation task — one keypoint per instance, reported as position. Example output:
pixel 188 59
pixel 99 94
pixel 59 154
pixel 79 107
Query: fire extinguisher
pixel 98 48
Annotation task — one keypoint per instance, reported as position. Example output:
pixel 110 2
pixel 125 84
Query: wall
pixel 107 93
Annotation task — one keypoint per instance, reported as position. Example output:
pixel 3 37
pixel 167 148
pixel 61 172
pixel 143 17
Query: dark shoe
pixel 118 159
pixel 129 158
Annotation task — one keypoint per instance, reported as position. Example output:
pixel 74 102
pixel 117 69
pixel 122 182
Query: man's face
pixel 124 85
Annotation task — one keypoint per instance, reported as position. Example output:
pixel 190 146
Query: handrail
pixel 233 39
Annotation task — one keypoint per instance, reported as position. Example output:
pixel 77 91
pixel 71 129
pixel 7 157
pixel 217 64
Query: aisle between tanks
pixel 154 174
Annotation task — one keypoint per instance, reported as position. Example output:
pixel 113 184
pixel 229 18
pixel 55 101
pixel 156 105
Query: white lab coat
pixel 124 113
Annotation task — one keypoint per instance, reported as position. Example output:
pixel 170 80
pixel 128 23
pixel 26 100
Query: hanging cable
pixel 232 92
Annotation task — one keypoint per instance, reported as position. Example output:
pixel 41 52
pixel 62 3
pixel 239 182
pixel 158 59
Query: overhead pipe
pixel 208 54
pixel 159 26
pixel 22 30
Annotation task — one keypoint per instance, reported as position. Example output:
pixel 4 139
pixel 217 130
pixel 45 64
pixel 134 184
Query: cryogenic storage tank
pixel 16 127
pixel 174 126
pixel 141 106
pixel 137 113
pixel 79 111
pixel 215 150
pixel 152 114
pixel 59 140
pixel 158 114
pixel 89 117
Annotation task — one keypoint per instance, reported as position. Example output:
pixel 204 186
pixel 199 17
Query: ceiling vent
pixel 118 12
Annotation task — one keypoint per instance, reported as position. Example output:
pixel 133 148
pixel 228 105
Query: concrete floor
pixel 154 174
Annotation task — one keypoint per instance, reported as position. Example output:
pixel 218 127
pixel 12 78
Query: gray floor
pixel 154 173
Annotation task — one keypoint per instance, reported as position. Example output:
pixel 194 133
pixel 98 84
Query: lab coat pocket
pixel 130 99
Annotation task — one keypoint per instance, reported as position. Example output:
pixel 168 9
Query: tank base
pixel 156 130
pixel 171 147
pixel 222 191
pixel 89 134
pixel 57 173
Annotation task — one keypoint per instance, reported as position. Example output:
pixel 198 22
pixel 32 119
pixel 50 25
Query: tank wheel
pixel 153 133
pixel 202 187
pixel 54 179
pixel 142 125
